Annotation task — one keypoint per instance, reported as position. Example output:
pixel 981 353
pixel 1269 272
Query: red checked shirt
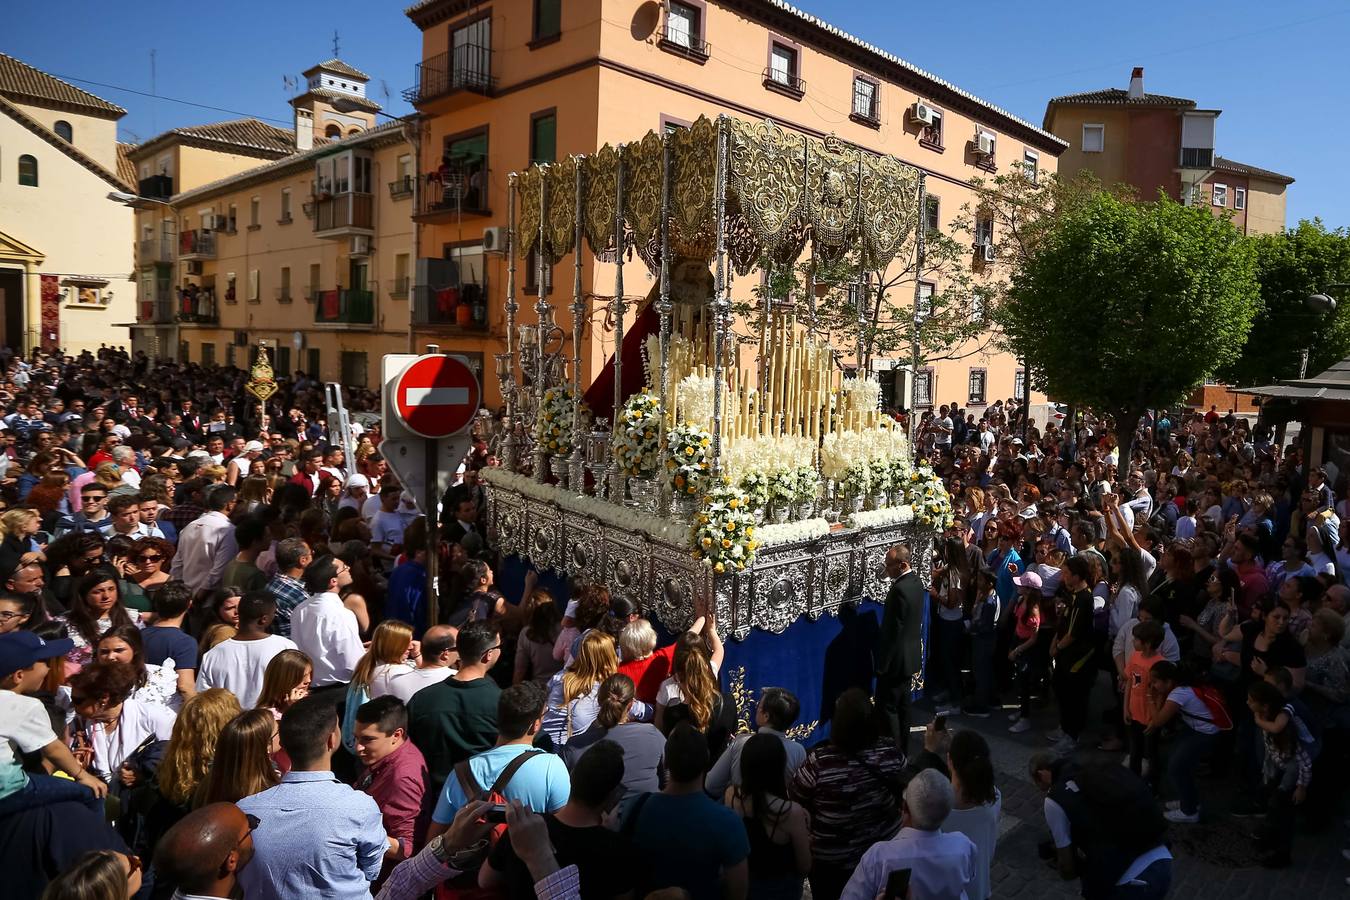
pixel 398 785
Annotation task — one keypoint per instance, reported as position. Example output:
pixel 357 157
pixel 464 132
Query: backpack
pixel 465 886
pixel 1213 700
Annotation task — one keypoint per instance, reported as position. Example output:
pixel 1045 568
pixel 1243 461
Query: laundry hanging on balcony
pixel 330 305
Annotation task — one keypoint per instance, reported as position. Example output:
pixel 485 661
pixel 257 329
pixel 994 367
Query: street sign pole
pixel 429 404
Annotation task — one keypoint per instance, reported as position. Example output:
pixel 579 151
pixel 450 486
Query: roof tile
pixel 21 83
pixel 337 65
pixel 1116 96
pixel 1222 164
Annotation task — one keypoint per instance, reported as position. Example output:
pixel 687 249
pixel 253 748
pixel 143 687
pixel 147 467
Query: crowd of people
pixel 221 675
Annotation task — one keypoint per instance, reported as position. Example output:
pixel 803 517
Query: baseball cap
pixel 253 447
pixel 1028 579
pixel 20 649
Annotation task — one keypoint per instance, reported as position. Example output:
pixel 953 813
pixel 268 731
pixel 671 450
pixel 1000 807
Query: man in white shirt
pixel 206 545
pixel 324 628
pixel 438 663
pixel 125 458
pixel 386 529
pixel 238 664
pixel 238 466
pixel 941 865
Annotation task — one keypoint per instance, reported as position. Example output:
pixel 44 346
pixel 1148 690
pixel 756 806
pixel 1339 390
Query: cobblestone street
pixel 1214 859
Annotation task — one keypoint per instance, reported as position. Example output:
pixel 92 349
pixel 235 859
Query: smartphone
pixel 939 723
pixel 897 884
pixel 496 814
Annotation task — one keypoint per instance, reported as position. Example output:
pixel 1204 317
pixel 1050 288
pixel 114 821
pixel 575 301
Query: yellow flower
pixel 726 544
pixel 688 451
pixel 703 520
pixel 732 503
pixel 750 531
pixel 750 545
pixel 704 442
pixel 731 526
pixel 707 542
pixel 719 568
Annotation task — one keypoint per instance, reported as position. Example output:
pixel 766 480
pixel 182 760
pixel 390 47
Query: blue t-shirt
pixel 163 643
pixel 687 839
pixel 541 784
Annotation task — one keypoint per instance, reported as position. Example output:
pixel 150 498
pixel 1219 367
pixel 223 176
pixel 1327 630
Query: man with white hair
pixel 941 865
pixel 125 458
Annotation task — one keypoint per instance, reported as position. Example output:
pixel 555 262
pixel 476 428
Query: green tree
pixel 1128 306
pixel 1291 266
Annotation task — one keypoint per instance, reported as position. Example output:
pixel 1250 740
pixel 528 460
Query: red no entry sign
pixel 436 396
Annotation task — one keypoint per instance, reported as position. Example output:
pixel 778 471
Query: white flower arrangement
pixel 694 399
pixel 637 435
pixel 622 517
pixel 724 531
pixel 688 448
pixel 792 532
pixel 553 425
pixel 806 484
pixel 779 468
pixel 861 395
pixel 928 496
pixel 878 518
pixel 866 460
pixel 755 486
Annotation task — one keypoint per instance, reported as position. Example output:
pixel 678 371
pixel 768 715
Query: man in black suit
pixel 899 653
pixel 462 521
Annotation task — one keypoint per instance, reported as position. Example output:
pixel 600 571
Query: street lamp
pixel 1319 303
pixel 134 200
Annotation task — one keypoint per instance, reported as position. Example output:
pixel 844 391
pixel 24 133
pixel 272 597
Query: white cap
pixel 253 447
pixel 358 481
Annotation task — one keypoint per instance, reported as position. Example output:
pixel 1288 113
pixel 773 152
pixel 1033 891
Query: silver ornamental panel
pixel 786 581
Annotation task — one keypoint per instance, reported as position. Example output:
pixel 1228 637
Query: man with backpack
pixel 513 769
pixel 1106 829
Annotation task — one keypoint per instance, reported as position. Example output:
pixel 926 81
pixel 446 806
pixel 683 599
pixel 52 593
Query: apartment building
pixel 65 247
pixel 1156 142
pixel 300 238
pixel 506 83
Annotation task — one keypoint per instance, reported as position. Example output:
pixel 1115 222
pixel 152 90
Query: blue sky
pixel 1277 70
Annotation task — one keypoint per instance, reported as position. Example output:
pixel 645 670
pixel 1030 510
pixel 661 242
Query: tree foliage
pixel 1291 266
pixel 1126 306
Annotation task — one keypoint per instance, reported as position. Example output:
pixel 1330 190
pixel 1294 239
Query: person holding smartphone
pixel 940 865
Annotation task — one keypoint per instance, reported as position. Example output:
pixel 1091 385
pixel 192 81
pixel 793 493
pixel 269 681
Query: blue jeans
pixel 1191 747
pixel 1152 884
pixel 44 790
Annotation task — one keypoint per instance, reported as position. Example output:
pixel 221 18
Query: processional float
pixel 749 468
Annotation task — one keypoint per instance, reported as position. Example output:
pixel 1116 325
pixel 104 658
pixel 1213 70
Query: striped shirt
pixel 852 801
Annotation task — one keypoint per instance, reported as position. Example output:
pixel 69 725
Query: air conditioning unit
pixel 494 240
pixel 194 267
pixel 924 113
pixel 360 245
pixel 984 143
pixel 987 252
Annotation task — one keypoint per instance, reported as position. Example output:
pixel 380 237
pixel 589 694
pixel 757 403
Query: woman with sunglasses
pixel 148 567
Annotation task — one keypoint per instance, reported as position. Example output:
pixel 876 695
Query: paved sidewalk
pixel 1213 860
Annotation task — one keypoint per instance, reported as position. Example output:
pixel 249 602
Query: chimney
pixel 1137 83
pixel 304 129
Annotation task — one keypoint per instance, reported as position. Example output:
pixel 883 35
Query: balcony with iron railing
pixel 197 306
pixel 453 191
pixel 401 188
pixel 345 306
pixel 398 287
pixel 156 187
pixel 1197 157
pixel 196 245
pixel 154 250
pixel 157 309
pixel 462 309
pixel 343 214
pixel 789 83
pixel 464 69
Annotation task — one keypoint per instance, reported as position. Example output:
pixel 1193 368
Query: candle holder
pixel 597 454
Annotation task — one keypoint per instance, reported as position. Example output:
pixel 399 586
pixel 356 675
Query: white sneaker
pixel 1055 736
pixel 1020 726
pixel 1013 717
pixel 1181 818
pixel 948 711
pixel 1175 804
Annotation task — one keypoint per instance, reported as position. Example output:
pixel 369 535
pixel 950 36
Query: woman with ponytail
pixel 643 745
pixel 978 803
